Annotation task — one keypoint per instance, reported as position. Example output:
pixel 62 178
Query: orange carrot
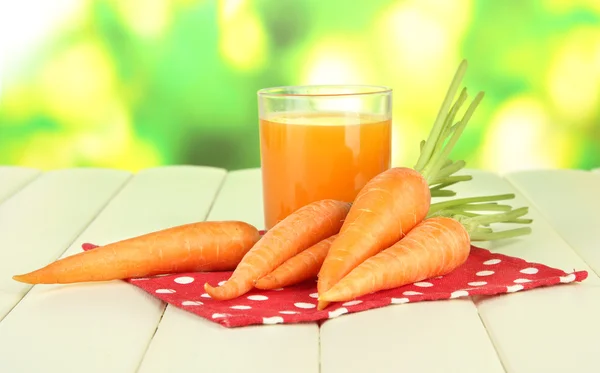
pixel 387 208
pixel 395 201
pixel 202 246
pixel 433 248
pixel 302 267
pixel 303 228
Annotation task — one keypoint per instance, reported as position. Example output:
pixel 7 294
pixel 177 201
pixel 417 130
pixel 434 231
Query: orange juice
pixel 306 157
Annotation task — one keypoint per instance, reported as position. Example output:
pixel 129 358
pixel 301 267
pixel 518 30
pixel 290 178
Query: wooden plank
pixel 105 327
pixel 13 178
pixel 241 188
pixel 428 337
pixel 547 329
pixel 419 337
pixel 543 245
pixel 40 222
pixel 569 200
pixel 185 342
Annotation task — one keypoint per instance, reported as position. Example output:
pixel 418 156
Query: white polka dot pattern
pixel 304 305
pixel 484 273
pixel 423 284
pixel 258 297
pixel 340 311
pixel 184 280
pixel 477 283
pixel 529 271
pixel 164 291
pixel 459 293
pixel 191 303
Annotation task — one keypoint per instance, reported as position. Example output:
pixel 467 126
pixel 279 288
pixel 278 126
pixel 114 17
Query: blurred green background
pixel 132 84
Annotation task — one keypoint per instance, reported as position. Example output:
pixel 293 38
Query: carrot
pixel 395 201
pixel 435 247
pixel 202 246
pixel 303 228
pixel 299 268
pixel 388 207
pixel 307 263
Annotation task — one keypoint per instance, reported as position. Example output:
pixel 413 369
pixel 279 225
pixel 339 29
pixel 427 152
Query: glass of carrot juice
pixel 320 142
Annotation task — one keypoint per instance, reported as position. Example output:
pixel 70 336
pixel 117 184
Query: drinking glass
pixel 320 142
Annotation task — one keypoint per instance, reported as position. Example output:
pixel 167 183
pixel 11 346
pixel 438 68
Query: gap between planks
pixel 533 204
pixel 22 186
pixel 75 236
pixel 165 305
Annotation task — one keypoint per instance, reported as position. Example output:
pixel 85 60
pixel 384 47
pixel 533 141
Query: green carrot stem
pixel 438 159
pixel 438 125
pixel 450 179
pixel 484 207
pixel 498 218
pixel 510 233
pixel 461 201
pixel 448 128
pixel 442 193
pixel 446 184
pixel 440 186
pixel 520 221
pixel 462 97
pixel 450 213
pixel 446 171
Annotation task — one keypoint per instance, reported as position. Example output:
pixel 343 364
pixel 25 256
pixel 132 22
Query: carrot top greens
pixel 478 224
pixel 433 162
pixel 435 165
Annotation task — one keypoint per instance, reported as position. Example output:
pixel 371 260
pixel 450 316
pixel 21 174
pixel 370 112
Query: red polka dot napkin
pixel 484 273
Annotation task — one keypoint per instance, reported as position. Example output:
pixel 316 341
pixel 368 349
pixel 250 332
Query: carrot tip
pixel 21 278
pixel 322 304
pixel 264 283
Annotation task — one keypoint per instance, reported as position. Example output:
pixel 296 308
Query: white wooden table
pixel 115 327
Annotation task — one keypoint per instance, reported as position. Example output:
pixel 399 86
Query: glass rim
pixel 356 90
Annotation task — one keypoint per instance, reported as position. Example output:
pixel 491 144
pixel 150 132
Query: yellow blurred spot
pixel 574 76
pixel 47 150
pixel 146 18
pixel 518 138
pixel 242 37
pixel 406 135
pixel 419 35
pixel 115 145
pixel 418 51
pixel 416 37
pixel 183 4
pixel 231 8
pixel 335 60
pixel 77 83
pixel 111 145
pixel 18 102
pixel 562 6
pixel 110 140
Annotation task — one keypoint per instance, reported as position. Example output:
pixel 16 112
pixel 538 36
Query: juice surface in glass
pixel 311 156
